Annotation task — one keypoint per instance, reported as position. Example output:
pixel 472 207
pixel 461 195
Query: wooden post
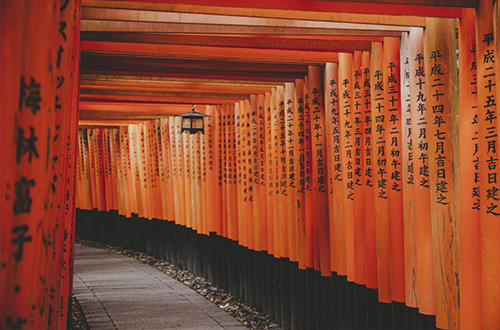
pixel 471 303
pixel 442 98
pixel 319 165
pixel 420 134
pixel 347 131
pixel 378 114
pixel 488 161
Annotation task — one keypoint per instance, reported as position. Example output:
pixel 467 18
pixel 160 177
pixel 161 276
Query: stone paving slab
pixel 119 292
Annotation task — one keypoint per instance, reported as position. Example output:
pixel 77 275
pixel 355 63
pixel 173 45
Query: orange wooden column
pixel 441 81
pixel 391 66
pixel 239 129
pixel 283 183
pixel 410 255
pixel 180 171
pixel 175 170
pixel 471 303
pixel 369 192
pixel 300 172
pixel 38 119
pixel 488 161
pixel 290 161
pixel 270 172
pixel 347 130
pixel 358 175
pixel 420 135
pixel 232 177
pixel 334 156
pixel 262 183
pixel 223 168
pixel 379 126
pixel 276 169
pixel 319 166
pixel 247 178
pixel 254 172
pixel 213 198
pixel 312 257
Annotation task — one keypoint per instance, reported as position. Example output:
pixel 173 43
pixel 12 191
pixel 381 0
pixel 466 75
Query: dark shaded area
pixel 297 299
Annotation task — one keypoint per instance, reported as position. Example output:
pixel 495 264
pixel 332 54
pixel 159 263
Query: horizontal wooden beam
pixel 422 8
pixel 107 14
pixel 175 87
pixel 105 115
pixel 264 13
pixel 185 28
pixel 240 42
pixel 157 99
pixel 123 65
pixel 147 79
pixel 160 94
pixel 226 53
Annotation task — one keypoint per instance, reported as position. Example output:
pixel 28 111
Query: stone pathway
pixel 119 292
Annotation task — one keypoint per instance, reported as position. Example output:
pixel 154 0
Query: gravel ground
pixel 250 317
pixel 78 321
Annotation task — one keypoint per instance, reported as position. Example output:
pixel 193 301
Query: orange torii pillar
pixel 420 136
pixel 335 202
pixel 471 303
pixel 489 184
pixel 378 114
pixel 410 255
pixel 369 198
pixel 38 130
pixel 391 66
pixel 442 98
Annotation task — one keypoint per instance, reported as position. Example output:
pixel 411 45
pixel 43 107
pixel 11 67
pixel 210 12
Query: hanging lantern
pixel 192 122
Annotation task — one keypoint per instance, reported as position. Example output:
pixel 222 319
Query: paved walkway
pixel 119 292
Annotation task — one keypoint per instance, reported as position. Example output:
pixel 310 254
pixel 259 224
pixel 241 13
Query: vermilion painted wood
pixel 408 151
pixel 380 178
pixel 290 166
pixel 391 64
pixel 358 176
pixel 369 166
pixel 335 204
pixel 319 166
pixel 273 13
pixel 269 42
pixel 347 130
pixel 421 153
pixel 440 36
pixel 488 129
pixel 382 8
pixel 300 171
pixel 408 177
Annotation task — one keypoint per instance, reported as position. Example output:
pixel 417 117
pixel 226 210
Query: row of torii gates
pixel 352 139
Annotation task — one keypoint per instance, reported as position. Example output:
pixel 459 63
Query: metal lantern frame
pixel 192 122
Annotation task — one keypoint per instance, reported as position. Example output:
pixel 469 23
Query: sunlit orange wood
pixel 319 166
pixel 471 302
pixel 290 165
pixel 276 161
pixel 391 65
pixel 335 201
pixel 408 178
pixel 347 147
pixel 261 165
pixel 274 13
pixel 379 126
pixel 420 133
pixel 440 68
pixel 369 190
pixel 300 171
pixel 270 171
pixel 283 187
pixel 311 251
pixel 358 175
pixel 488 160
